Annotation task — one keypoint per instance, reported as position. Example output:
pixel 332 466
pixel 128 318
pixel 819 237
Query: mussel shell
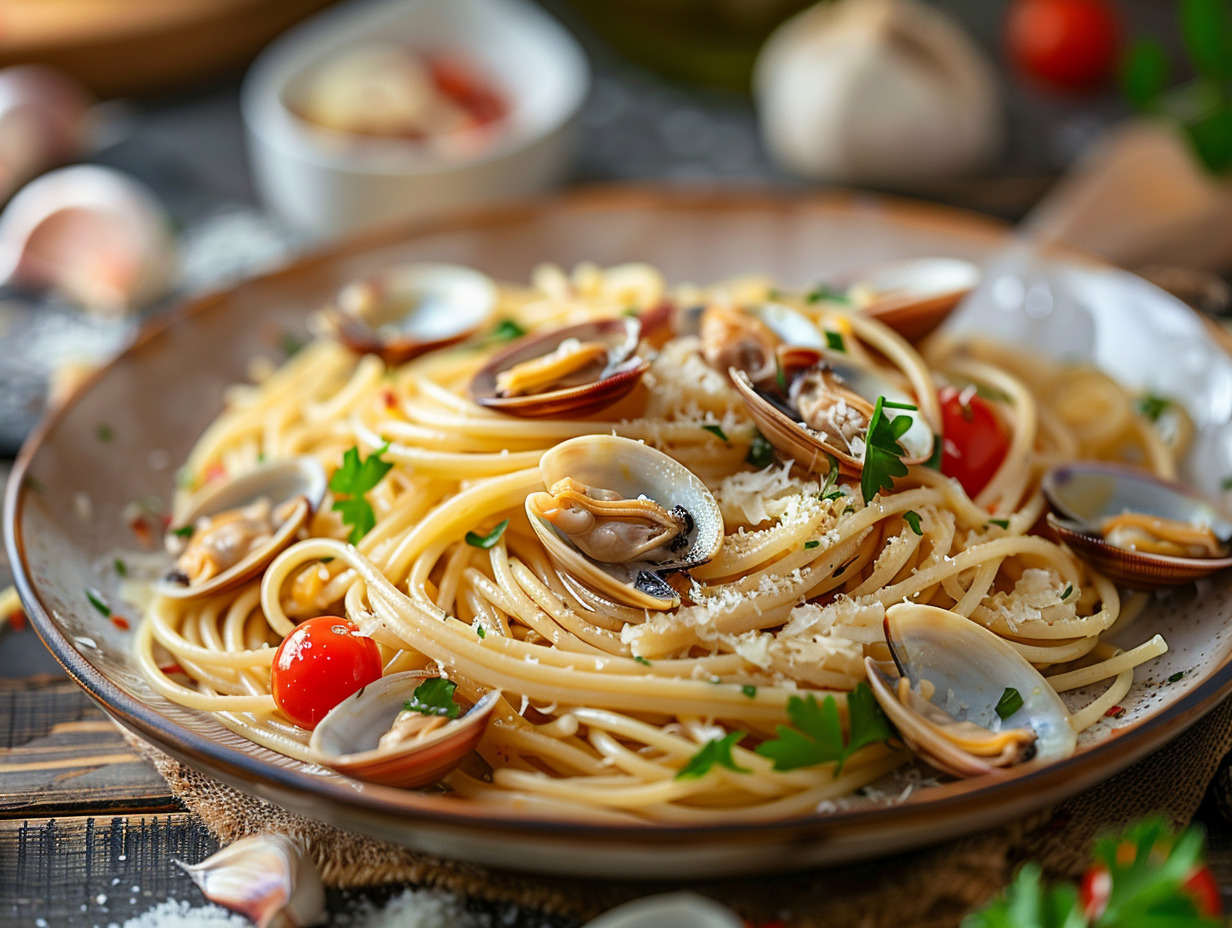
pixel 346 739
pixel 301 479
pixel 621 334
pixel 914 297
pixel 411 309
pixel 1084 494
pixel 631 469
pixel 971 667
pixel 783 429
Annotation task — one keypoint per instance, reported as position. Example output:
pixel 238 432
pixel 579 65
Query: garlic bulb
pixel 95 236
pixel 876 91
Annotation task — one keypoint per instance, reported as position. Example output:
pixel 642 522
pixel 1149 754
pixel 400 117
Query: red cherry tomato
pixel 320 664
pixel 973 441
pixel 1068 44
pixel 1202 888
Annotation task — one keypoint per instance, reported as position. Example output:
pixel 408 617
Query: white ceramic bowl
pixel 328 183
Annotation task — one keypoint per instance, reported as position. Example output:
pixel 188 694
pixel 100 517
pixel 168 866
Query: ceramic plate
pixel 70 489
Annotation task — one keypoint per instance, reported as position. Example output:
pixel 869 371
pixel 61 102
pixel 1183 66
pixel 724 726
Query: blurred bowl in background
pixel 330 183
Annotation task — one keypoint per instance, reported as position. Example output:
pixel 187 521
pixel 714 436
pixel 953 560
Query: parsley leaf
pixel 434 697
pixel 1068 590
pixel 1152 407
pixel 834 341
pixel 641 660
pixel 488 540
pixel 809 545
pixel 817 737
pixel 481 631
pixel 749 690
pixel 761 452
pixel 121 568
pixel 912 518
pixel 828 294
pixel 353 479
pixel 716 430
pixel 716 751
pixel 1009 703
pixel 505 331
pixel 105 433
pixel 184 531
pixel 829 490
pixel 97 602
pixel 1000 523
pixel 883 455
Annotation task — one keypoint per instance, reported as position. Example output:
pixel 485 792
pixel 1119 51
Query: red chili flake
pixel 17 620
pixel 391 401
pixel 119 622
pixel 171 668
pixel 1115 712
pixel 214 472
pixel 141 528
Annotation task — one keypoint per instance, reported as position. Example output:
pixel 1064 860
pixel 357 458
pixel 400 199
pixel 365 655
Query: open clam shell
pixel 913 297
pixel 292 489
pixel 634 471
pixel 958 729
pixel 410 309
pixel 348 738
pixel 779 419
pixel 599 383
pixel 1085 495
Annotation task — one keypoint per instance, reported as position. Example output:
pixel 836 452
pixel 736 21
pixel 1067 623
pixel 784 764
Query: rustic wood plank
pixel 62 756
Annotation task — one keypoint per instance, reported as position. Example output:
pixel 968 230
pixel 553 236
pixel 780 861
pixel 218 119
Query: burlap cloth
pixel 928 889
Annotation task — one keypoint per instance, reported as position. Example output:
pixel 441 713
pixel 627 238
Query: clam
pixel 570 371
pixel 232 530
pixel 267 878
pixel 822 406
pixel 1134 527
pixel 372 736
pixel 752 339
pixel 913 297
pixel 618 515
pixel 94 235
pixel 943 690
pixel 409 310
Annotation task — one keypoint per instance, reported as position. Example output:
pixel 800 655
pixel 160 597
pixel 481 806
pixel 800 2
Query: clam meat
pixel 409 310
pixel 381 734
pixel 231 531
pixel 618 515
pixel 574 370
pixel 1134 527
pixel 962 698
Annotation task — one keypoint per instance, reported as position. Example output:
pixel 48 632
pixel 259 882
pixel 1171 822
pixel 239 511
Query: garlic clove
pixel 96 237
pixel 876 91
pixel 44 120
pixel 267 878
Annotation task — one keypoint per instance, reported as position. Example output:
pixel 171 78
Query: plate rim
pixel 1094 764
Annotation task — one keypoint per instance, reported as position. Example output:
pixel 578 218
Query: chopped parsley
pixel 1151 407
pixel 829 490
pixel 834 340
pixel 716 430
pixel 488 540
pixel 828 294
pixel 505 331
pixel 1177 677
pixel 105 433
pixel 1000 523
pixel 354 479
pixel 912 518
pixel 121 568
pixel 1068 590
pixel 97 602
pixel 184 531
pixel 1009 703
pixel 749 690
pixel 1226 483
pixel 780 376
pixel 716 751
pixel 817 735
pixel 761 452
pixel 641 660
pixel 434 697
pixel 808 545
pixel 291 344
pixel 481 631
pixel 883 455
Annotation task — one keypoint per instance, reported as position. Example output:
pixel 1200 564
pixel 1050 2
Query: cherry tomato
pixel 973 441
pixel 1094 892
pixel 1068 44
pixel 320 664
pixel 1202 888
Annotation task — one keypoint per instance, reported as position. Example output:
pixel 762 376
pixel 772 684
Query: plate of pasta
pixel 626 533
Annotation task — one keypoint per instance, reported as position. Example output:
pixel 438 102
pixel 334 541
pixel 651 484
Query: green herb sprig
pixel 716 751
pixel 475 540
pixel 816 734
pixel 352 481
pixel 883 455
pixel 434 697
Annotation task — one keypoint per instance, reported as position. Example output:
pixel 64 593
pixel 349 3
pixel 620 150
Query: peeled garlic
pixel 43 122
pixel 876 91
pixel 266 878
pixel 95 236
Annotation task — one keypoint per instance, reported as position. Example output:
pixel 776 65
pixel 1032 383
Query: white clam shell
pixel 267 878
pixel 302 479
pixel 669 910
pixel 914 297
pixel 347 738
pixel 632 469
pixel 95 236
pixel 971 668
